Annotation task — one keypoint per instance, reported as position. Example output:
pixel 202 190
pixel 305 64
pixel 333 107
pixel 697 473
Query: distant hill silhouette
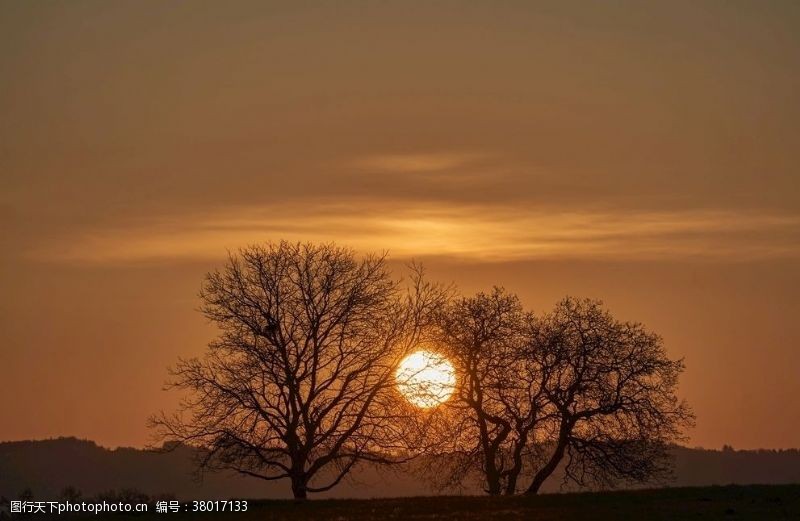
pixel 49 466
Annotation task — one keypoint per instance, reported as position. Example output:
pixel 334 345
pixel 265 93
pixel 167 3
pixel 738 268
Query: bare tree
pixel 496 402
pixel 575 388
pixel 299 383
pixel 612 389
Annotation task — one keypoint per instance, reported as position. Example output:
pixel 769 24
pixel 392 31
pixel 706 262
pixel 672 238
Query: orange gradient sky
pixel 642 153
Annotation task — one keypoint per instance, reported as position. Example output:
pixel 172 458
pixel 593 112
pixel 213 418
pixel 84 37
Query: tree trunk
pixel 299 487
pixel 492 475
pixel 513 472
pixel 511 486
pixel 493 485
pixel 544 472
pixel 535 485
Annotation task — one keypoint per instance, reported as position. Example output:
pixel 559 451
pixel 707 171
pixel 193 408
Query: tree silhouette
pixel 299 384
pixel 484 336
pixel 612 387
pixel 574 387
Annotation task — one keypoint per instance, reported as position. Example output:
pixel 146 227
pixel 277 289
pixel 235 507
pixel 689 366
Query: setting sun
pixel 426 379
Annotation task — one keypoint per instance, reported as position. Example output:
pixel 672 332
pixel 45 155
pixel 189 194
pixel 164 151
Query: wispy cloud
pixel 480 233
pixel 418 163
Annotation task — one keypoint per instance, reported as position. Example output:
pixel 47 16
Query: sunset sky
pixel 643 153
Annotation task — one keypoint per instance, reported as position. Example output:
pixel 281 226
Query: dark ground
pixel 734 502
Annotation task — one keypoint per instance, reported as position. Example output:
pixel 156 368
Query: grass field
pixel 756 502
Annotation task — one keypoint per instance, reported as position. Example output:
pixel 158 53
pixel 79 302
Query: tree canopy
pixel 299 383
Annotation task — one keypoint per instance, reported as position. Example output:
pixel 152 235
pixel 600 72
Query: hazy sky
pixel 643 153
